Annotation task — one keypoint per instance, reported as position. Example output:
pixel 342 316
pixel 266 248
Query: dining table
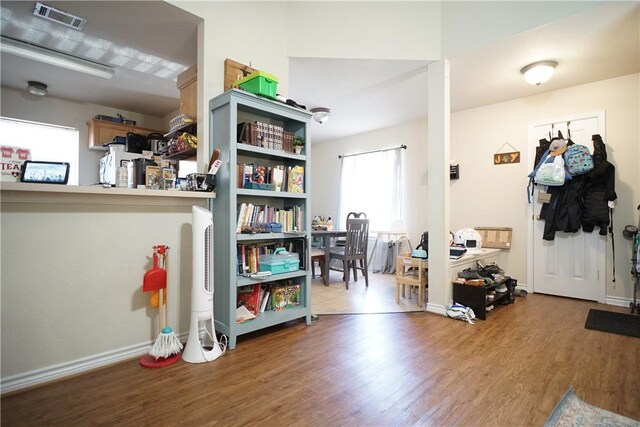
pixel 326 236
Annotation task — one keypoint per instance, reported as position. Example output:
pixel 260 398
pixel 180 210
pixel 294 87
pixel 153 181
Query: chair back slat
pixel 357 237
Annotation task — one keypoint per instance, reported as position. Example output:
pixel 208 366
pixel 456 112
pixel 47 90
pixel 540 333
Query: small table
pixel 412 272
pixel 327 235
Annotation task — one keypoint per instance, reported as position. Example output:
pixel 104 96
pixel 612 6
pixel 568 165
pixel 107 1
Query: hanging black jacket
pixel 599 189
pixel 564 210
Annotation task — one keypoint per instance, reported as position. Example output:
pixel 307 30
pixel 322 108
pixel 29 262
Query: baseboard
pixel 55 372
pixel 437 309
pixel 619 301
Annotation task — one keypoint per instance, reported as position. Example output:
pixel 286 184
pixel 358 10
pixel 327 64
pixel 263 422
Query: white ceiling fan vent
pixel 59 16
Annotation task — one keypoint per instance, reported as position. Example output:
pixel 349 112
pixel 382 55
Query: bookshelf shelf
pixel 243 281
pixel 271 318
pixel 260 152
pixel 268 193
pixel 228 112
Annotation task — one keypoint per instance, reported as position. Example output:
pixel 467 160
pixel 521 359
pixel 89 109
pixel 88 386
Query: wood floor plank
pixel 385 369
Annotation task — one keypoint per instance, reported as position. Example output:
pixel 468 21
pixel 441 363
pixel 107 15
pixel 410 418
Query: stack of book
pixel 265 135
pixel 273 178
pixel 258 298
pixel 259 218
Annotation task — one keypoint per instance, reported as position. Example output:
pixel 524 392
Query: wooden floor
pixel 366 369
pixel 378 297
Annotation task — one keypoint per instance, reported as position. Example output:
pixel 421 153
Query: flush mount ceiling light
pixel 37 88
pixel 53 57
pixel 321 114
pixel 539 72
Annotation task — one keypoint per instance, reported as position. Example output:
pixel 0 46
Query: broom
pixel 167 343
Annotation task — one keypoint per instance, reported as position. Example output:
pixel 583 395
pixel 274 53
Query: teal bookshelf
pixel 227 111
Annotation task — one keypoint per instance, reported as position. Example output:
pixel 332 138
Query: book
pixel 240 175
pixel 248 174
pixel 249 297
pixel 296 180
pixel 153 177
pixel 277 178
pixel 242 314
pixel 259 174
pixel 242 212
pixel 283 297
pixel 265 300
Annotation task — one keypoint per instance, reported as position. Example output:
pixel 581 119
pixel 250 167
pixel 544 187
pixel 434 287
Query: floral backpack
pixel 578 160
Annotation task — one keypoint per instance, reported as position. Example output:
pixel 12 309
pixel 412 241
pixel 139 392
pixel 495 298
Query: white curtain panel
pixel 372 183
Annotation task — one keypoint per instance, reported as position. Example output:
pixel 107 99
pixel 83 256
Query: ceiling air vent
pixel 59 16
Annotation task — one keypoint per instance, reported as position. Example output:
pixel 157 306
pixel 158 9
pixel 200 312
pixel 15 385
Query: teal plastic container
pixel 280 261
pixel 259 83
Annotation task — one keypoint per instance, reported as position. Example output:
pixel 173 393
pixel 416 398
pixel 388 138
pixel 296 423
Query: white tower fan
pixel 208 349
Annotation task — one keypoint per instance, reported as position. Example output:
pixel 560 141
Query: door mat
pixel 616 323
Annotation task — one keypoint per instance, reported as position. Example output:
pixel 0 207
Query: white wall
pixel 325 175
pixel 71 114
pixel 371 30
pixel 72 274
pixel 469 25
pixel 489 195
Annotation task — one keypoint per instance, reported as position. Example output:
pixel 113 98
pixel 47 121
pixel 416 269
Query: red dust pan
pixel 166 349
pixel 156 278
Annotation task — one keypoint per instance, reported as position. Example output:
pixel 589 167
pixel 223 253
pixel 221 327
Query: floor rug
pixel 616 323
pixel 571 411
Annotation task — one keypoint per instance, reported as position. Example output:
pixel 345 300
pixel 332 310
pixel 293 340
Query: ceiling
pixel 363 94
pixel 148 42
pixel 599 44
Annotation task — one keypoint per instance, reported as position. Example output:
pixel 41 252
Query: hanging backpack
pixel 551 172
pixel 424 241
pixel 578 160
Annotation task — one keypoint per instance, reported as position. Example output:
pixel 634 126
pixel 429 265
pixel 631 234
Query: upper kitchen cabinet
pixel 104 131
pixel 188 85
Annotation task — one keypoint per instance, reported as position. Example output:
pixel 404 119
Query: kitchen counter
pixel 51 193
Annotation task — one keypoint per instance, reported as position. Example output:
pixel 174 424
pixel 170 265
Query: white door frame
pixel 531 154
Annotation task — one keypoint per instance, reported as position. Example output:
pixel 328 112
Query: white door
pixel 571 265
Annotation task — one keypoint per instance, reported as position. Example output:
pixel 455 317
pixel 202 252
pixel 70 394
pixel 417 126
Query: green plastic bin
pixel 259 83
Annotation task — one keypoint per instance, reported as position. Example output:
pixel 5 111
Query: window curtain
pixel 373 183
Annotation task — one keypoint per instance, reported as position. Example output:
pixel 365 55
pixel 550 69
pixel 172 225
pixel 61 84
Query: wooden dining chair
pixel 317 256
pixel 356 215
pixel 340 241
pixel 354 253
